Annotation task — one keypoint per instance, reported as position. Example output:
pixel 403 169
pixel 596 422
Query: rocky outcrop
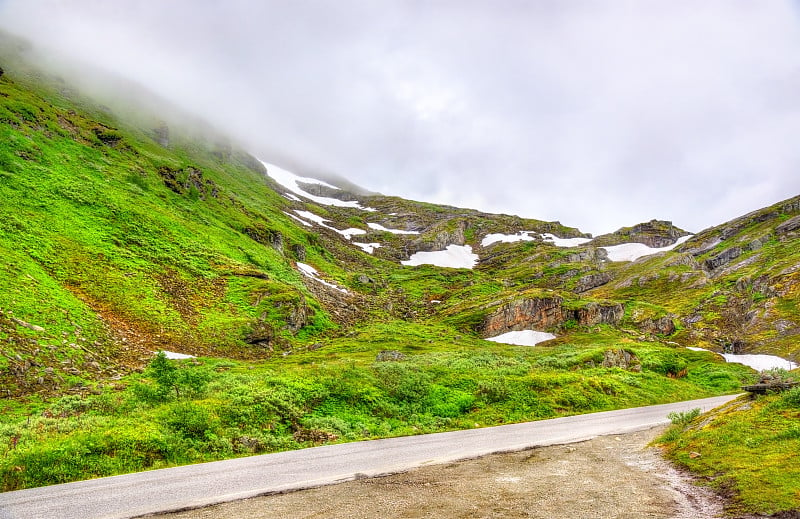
pixel 655 233
pixel 187 181
pixel 723 258
pixel 547 312
pixel 327 191
pixel 265 236
pixel 659 326
pixel 292 314
pixel 591 281
pixel 790 225
pixel 623 359
pixel 599 313
pixel 439 239
pixel 161 134
pixel 587 254
pixel 538 313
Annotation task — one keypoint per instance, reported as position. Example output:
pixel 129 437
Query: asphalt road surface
pixel 191 486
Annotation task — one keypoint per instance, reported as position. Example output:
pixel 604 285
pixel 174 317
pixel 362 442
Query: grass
pixel 746 451
pixel 179 412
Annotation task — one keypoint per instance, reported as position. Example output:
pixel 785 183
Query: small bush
pixel 791 398
pixel 683 418
pixel 189 419
pixel 494 390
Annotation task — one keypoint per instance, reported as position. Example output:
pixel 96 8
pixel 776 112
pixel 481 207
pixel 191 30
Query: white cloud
pixel 598 114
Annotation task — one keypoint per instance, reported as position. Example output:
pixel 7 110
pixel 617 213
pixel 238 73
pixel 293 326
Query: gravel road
pixel 615 476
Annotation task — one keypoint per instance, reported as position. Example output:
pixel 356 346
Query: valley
pixel 310 314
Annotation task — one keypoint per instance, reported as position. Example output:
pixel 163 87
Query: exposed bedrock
pixel 547 312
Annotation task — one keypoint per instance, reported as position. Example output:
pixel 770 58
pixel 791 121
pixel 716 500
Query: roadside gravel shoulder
pixel 617 476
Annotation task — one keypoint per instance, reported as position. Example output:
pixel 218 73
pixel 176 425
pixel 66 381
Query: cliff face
pixel 547 313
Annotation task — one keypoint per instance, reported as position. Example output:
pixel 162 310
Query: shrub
pixel 791 398
pixel 191 420
pixel 494 390
pixel 168 379
pixel 683 418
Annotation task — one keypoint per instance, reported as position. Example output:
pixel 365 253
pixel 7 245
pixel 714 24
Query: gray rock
pixel 790 225
pixel 660 326
pixel 723 258
pixel 623 359
pixel 591 281
pixel 389 356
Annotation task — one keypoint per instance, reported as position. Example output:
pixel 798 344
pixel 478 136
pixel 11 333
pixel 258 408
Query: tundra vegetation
pixel 123 234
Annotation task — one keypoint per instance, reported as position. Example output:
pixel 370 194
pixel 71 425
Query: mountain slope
pixel 320 314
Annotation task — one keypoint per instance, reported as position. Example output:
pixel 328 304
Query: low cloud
pixel 597 114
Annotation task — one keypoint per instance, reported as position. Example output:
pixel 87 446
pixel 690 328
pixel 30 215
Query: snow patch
pixel 347 233
pixel 523 337
pixel 455 256
pixel 369 248
pixel 379 227
pixel 311 272
pixel 634 251
pixel 298 219
pixel 758 362
pixel 565 242
pixel 507 238
pixel 291 182
pixel 176 356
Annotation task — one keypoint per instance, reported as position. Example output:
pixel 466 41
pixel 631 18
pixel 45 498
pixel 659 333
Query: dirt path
pixel 607 477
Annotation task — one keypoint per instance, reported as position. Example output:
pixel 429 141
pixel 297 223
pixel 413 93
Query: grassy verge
pixel 746 450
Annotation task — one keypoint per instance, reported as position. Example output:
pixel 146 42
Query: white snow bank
pixel 756 361
pixel 760 362
pixel 565 242
pixel 347 233
pixel 309 271
pixel 379 227
pixel 290 181
pixel 308 215
pixel 455 256
pixel 177 356
pixel 507 238
pixel 369 248
pixel 634 251
pixel 298 219
pixel 523 337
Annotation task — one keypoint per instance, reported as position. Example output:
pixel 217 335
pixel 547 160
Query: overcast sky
pixel 597 114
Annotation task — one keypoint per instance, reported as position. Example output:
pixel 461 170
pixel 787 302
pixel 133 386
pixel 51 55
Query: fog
pixel 597 114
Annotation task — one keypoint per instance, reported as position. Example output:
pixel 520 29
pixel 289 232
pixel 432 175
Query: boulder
pixel 660 326
pixel 623 359
pixel 790 225
pixel 723 258
pixel 591 281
